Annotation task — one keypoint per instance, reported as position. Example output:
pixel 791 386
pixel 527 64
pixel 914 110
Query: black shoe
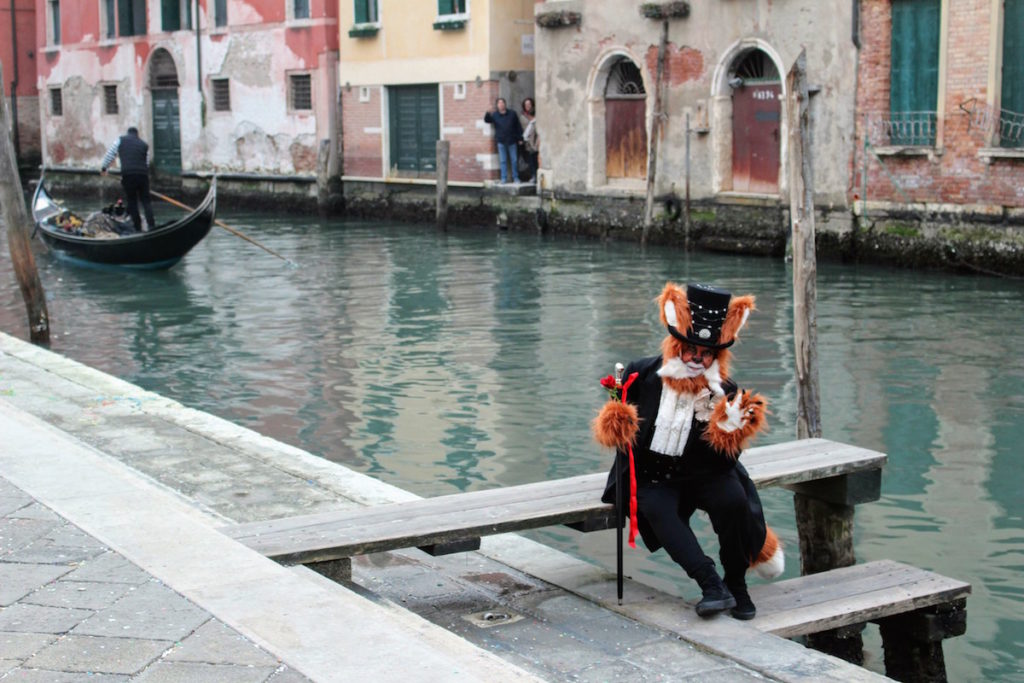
pixel 744 609
pixel 714 602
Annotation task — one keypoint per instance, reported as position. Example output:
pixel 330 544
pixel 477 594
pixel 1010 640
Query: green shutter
pixel 1011 128
pixel 362 15
pixel 413 127
pixel 914 82
pixel 124 17
pixel 170 15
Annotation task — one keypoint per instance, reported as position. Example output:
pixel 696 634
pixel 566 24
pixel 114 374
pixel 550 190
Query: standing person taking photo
pixel 508 133
pixel 531 142
pixel 133 156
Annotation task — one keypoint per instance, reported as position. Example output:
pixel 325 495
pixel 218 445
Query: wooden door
pixel 625 136
pixel 414 128
pixel 756 131
pixel 166 131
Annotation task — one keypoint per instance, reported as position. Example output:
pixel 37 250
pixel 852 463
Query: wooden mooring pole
pixel 442 184
pixel 652 157
pixel 19 235
pixel 824 513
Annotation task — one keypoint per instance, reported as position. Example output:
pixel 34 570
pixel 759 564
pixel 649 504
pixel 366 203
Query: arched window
pixel 624 81
pixel 162 72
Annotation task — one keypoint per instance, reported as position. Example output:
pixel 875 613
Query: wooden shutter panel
pixel 1011 120
pixel 914 74
pixel 362 15
pixel 170 15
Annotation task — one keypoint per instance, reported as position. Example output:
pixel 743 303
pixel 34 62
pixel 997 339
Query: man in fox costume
pixel 683 425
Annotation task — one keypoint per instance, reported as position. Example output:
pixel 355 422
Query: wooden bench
pixel 915 609
pixel 455 523
pixel 828 605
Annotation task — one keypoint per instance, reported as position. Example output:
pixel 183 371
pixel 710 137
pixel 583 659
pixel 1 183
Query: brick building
pixel 416 71
pixel 940 102
pixel 247 88
pixel 18 56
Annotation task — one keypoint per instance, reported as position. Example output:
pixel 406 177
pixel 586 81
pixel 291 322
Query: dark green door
pixel 414 128
pixel 914 84
pixel 166 131
pixel 1011 120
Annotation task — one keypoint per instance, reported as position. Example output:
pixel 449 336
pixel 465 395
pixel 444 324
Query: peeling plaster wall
pixel 570 85
pixel 260 134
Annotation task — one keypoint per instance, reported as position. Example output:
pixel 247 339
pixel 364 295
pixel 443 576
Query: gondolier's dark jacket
pixel 699 459
pixel 131 154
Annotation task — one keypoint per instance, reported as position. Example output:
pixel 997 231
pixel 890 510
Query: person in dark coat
pixel 679 435
pixel 133 156
pixel 508 133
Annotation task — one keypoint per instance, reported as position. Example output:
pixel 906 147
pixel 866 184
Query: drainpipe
pixel 199 72
pixel 14 85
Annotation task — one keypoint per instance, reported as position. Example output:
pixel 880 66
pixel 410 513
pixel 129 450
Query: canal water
pixel 468 360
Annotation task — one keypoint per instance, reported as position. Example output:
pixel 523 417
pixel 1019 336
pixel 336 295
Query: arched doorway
pixel 163 85
pixel 625 134
pixel 756 123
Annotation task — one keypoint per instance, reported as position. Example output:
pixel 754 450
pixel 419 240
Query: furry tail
pixel 770 562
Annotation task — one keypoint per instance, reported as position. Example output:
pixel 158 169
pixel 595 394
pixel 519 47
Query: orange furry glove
pixel 734 422
pixel 616 425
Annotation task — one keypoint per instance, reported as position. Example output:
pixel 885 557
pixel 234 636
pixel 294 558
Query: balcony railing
pixel 904 129
pixel 1011 128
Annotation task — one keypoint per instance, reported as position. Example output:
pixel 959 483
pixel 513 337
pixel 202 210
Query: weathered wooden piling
pixel 19 237
pixel 442 184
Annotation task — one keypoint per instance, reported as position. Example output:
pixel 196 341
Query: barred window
pixel 221 94
pixel 301 95
pixel 56 102
pixel 110 99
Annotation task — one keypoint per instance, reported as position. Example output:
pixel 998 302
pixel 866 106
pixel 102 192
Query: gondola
pixel 161 247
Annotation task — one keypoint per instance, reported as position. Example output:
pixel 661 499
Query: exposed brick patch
pixel 681 64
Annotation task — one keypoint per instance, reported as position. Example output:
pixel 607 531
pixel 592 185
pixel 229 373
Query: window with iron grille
pixel 914 75
pixel 56 102
pixel 110 99
pixel 301 9
pixel 221 94
pixel 301 92
pixel 220 13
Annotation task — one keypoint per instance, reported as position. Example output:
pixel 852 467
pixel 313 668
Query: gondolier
pixel 133 155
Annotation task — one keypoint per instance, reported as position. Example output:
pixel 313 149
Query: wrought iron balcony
pixel 901 129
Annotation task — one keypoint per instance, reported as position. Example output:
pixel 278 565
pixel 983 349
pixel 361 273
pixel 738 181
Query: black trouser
pixel 136 189
pixel 668 506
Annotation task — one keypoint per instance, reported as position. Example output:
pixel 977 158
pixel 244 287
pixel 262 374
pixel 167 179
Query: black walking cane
pixel 619 370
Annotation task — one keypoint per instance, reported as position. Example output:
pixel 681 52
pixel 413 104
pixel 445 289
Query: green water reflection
pixel 443 362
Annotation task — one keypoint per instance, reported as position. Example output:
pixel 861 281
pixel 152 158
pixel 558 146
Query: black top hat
pixel 708 308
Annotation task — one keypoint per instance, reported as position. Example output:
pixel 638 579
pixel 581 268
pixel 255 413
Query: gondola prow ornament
pixel 678 439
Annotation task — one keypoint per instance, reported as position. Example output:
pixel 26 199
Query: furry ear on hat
pixel 673 308
pixel 739 310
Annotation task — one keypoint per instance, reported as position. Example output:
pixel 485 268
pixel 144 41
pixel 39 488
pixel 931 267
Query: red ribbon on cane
pixel 633 526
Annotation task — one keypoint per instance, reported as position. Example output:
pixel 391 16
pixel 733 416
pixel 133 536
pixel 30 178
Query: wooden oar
pixel 233 231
